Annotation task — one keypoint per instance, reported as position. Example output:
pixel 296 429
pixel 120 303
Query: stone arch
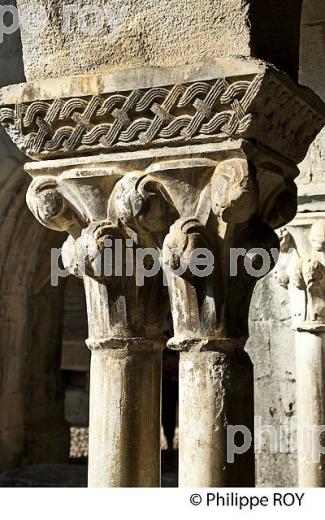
pixel 31 392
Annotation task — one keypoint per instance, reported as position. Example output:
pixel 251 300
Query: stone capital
pixel 301 266
pixel 172 160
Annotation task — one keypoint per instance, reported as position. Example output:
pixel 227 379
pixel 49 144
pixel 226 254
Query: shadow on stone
pixel 74 474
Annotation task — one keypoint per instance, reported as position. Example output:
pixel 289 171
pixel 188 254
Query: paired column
pixel 187 171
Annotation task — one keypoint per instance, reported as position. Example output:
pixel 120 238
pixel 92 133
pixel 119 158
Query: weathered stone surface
pixel 312 167
pixel 223 194
pixel 312 73
pixel 162 34
pixel 223 381
pixel 11 59
pixel 301 269
pixel 312 46
pixel 271 347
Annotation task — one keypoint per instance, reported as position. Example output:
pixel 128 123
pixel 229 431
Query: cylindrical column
pixel 310 369
pixel 125 409
pixel 216 391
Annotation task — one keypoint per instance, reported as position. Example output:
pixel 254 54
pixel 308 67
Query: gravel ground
pixel 79 442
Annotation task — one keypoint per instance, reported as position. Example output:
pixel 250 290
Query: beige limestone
pixel 310 366
pixel 216 390
pixel 124 447
pixel 165 33
pixel 220 32
pixel 151 33
pixel 46 119
pixel 223 194
pixel 272 340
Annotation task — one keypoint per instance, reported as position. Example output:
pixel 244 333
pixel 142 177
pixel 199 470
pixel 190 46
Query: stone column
pixel 302 271
pixel 216 390
pixel 165 163
pixel 210 331
pixel 125 378
pixel 124 423
pixel 310 392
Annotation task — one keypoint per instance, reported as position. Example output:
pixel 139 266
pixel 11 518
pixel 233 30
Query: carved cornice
pixel 159 107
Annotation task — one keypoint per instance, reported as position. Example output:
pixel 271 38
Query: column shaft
pixel 124 433
pixel 310 367
pixel 216 390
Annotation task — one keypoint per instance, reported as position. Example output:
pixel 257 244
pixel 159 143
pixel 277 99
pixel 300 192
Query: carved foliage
pixel 143 208
pixel 142 203
pixel 234 191
pixel 50 207
pixel 185 236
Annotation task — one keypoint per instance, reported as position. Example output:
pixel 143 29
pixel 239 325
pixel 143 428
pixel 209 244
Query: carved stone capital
pixel 175 160
pixel 301 266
